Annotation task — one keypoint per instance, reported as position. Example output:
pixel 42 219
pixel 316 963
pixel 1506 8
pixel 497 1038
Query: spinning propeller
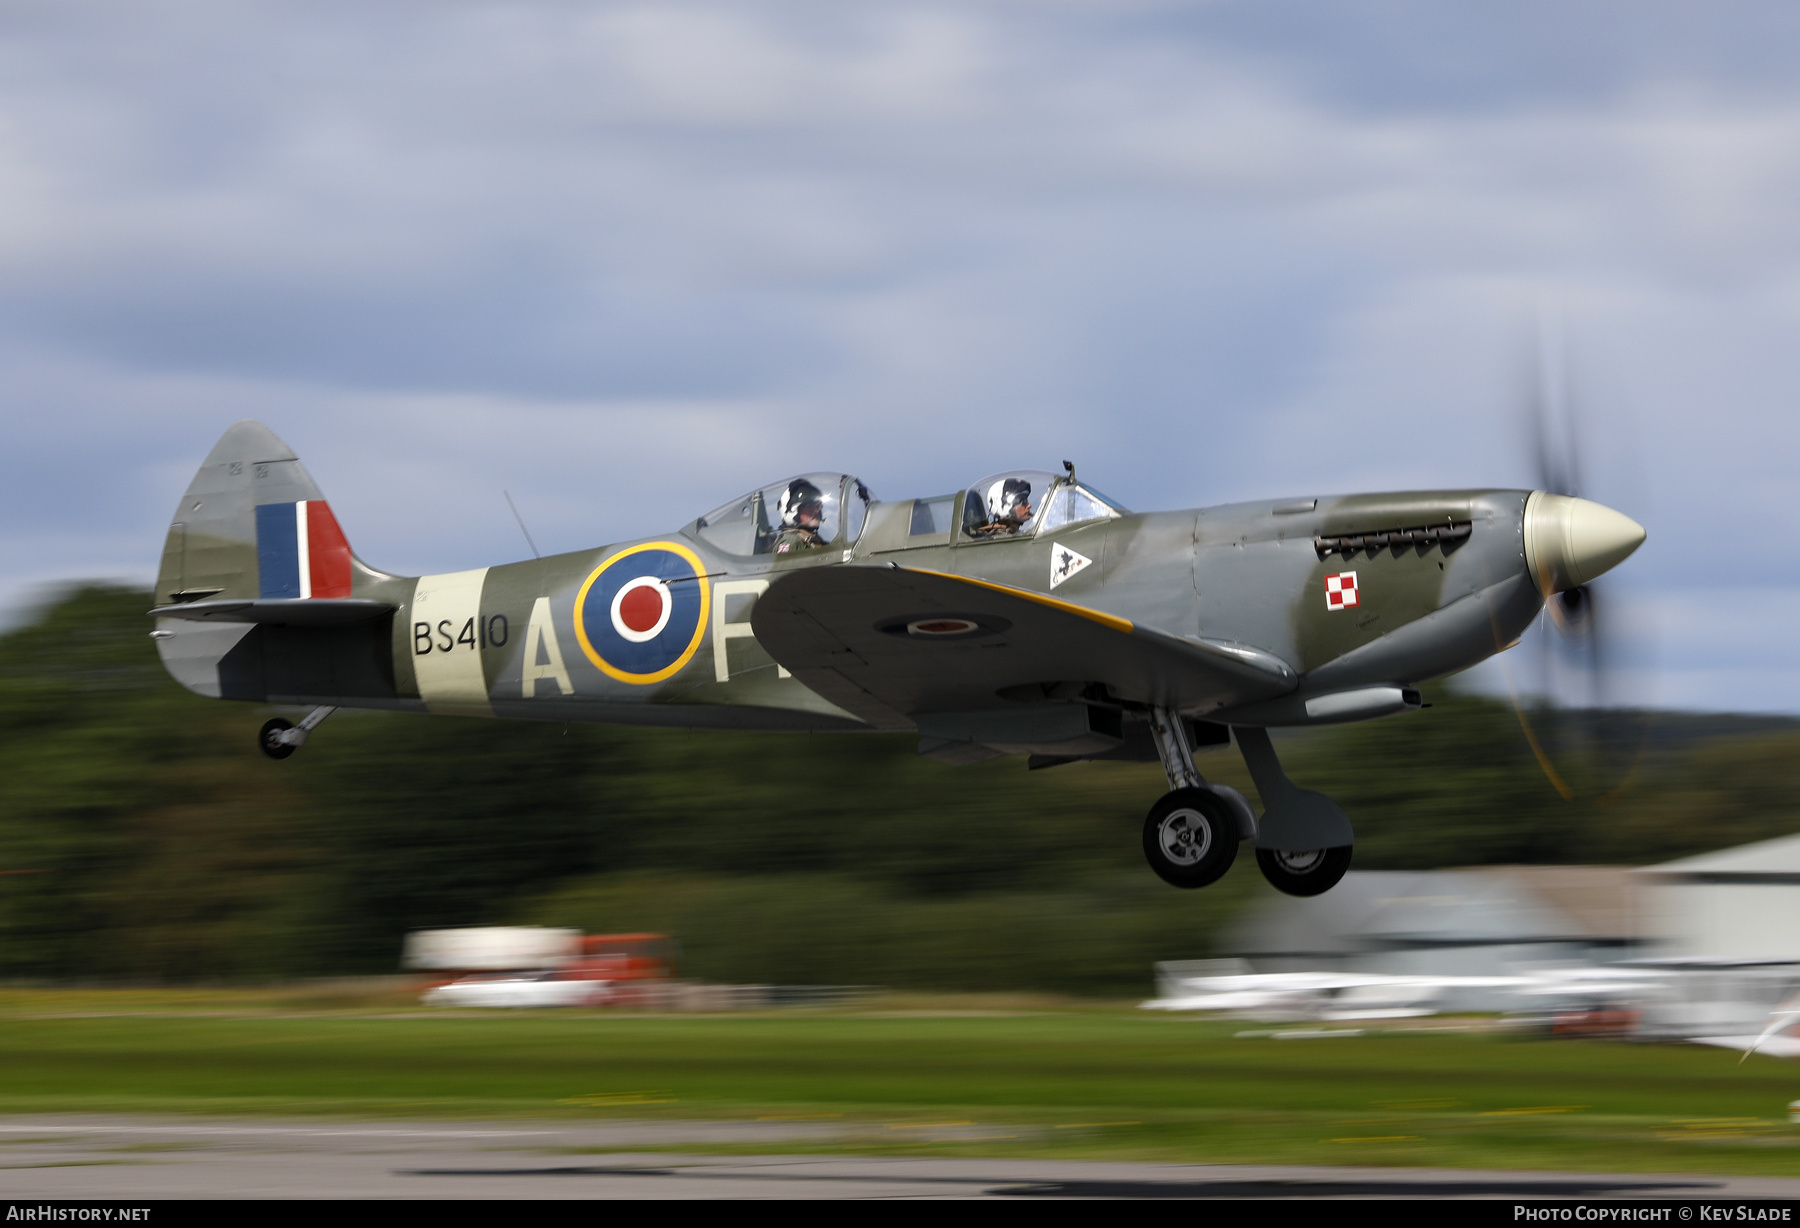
pixel 1573 615
pixel 1569 542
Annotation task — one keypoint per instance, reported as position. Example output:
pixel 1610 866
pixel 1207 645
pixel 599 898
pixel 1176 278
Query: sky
pixel 629 260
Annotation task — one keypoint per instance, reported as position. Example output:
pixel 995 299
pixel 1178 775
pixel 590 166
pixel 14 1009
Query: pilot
pixel 1009 508
pixel 802 512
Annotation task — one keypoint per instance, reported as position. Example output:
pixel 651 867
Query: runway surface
pixel 128 1157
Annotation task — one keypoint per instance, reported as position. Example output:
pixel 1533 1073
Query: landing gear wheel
pixel 1303 873
pixel 270 741
pixel 1191 837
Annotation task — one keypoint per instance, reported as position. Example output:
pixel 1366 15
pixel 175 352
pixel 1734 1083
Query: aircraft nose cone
pixel 1570 541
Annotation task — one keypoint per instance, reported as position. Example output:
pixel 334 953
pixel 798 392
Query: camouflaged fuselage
pixel 1384 589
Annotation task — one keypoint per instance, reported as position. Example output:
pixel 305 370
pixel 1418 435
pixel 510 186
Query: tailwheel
pixel 272 743
pixel 1191 837
pixel 1306 872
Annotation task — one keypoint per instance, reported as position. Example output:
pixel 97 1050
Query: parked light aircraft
pixel 1025 614
pixel 1342 995
pixel 1332 996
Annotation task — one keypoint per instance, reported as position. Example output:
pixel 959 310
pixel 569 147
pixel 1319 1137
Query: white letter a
pixel 543 631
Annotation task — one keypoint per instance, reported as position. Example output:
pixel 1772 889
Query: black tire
pixel 1306 873
pixel 1191 837
pixel 266 739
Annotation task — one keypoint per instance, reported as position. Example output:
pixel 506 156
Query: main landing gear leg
pixel 1191 835
pixel 1304 839
pixel 280 738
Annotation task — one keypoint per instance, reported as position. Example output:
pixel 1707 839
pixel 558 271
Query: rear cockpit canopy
pixel 807 512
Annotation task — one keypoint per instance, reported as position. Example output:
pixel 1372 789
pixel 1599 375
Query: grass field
pixel 946 1076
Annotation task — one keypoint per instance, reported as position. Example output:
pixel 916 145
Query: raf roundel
pixel 641 614
pixel 930 628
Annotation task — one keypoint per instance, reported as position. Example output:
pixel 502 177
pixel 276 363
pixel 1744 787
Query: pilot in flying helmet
pixel 802 511
pixel 1009 508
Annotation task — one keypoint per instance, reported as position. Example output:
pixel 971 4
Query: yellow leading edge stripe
pixel 1105 620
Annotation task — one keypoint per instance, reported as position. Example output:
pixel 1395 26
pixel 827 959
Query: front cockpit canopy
pixel 809 512
pixel 1073 503
pixel 1005 504
pixel 1025 501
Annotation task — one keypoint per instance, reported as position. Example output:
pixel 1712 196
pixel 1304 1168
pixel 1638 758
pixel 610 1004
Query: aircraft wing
pixel 1773 1046
pixel 888 643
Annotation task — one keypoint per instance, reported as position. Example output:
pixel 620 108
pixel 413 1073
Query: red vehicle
pixel 637 965
pixel 1595 1020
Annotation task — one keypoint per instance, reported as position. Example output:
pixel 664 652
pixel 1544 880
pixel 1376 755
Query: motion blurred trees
pixel 142 836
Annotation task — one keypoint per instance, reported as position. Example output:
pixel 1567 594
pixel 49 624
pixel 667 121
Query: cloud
pixel 629 259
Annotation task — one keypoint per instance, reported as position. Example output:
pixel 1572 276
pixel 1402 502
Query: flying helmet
pixel 799 493
pixel 1006 495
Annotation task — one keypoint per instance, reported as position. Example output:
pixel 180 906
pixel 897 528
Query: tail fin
pixel 254 525
pixel 252 541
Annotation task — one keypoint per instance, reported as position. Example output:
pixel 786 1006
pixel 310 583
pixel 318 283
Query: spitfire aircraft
pixel 1027 614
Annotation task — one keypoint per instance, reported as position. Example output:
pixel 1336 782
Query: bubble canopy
pixel 809 511
pixel 1020 502
pixel 1006 504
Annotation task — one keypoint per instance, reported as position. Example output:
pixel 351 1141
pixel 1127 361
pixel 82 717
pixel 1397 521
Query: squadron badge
pixel 1064 563
pixel 1340 591
pixel 641 614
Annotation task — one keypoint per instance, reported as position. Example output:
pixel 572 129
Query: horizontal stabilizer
pixel 293 612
